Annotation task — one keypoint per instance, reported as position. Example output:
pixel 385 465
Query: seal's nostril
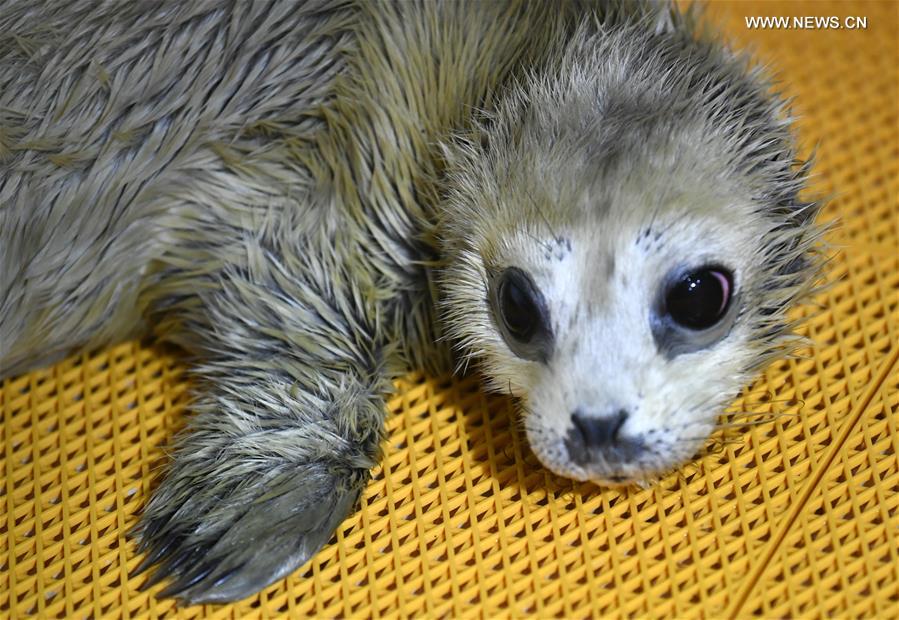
pixel 598 432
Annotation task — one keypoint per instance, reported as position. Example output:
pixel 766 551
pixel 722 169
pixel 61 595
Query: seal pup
pixel 597 205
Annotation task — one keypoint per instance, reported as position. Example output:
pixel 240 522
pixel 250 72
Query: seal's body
pixel 595 204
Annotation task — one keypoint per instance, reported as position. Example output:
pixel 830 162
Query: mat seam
pixel 809 489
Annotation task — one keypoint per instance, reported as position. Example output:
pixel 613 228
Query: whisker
pixel 743 424
pixel 770 397
pixel 546 245
pixel 710 438
pixel 542 215
pixel 779 414
pixel 738 421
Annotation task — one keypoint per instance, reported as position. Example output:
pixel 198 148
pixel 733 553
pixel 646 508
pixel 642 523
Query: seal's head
pixel 623 240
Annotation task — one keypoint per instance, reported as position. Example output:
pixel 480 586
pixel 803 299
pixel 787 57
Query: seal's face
pixel 620 331
pixel 617 299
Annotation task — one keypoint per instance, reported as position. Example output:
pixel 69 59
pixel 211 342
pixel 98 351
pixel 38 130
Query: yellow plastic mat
pixel 794 517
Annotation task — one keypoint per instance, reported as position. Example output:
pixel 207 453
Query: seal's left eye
pixel 521 315
pixel 699 299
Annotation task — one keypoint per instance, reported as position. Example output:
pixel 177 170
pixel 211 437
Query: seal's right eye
pixel 518 307
pixel 522 315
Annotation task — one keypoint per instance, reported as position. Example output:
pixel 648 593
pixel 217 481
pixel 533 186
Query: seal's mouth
pixel 619 461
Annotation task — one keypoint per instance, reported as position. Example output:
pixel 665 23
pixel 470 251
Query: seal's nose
pixel 597 432
pixel 598 437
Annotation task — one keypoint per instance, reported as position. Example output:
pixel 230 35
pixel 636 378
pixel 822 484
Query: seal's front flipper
pixel 268 538
pixel 253 492
pixel 290 376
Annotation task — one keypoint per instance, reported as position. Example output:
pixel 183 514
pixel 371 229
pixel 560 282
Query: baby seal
pixel 596 204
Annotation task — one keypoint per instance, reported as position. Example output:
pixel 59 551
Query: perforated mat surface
pixel 797 516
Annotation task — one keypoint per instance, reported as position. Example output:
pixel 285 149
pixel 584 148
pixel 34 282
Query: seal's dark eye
pixel 700 298
pixel 518 305
pixel 521 314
